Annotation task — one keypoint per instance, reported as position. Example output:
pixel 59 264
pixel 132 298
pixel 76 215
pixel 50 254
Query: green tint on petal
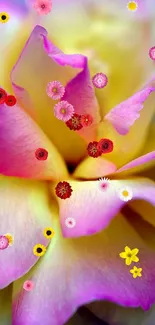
pixel 6 305
pixel 117 315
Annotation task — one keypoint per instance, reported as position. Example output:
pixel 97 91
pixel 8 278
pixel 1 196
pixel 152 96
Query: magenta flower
pixel 95 223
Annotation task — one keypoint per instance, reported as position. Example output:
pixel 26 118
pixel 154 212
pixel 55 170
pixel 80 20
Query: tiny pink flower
pixel 55 90
pixel 63 111
pixel 28 285
pixel 4 242
pixel 152 53
pixel 43 7
pixel 100 80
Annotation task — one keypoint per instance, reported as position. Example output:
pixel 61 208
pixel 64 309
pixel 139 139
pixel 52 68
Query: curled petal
pixel 138 163
pixel 93 207
pixel 33 73
pixel 124 115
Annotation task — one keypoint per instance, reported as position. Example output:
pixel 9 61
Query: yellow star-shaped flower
pixel 136 272
pixel 130 255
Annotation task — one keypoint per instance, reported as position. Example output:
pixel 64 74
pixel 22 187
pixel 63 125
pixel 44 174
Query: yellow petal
pixel 128 261
pixel 134 251
pixel 123 255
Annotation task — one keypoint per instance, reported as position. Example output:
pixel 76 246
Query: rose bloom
pixel 96 247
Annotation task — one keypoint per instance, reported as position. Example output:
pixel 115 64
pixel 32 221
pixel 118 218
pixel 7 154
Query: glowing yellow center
pixel 63 111
pixel 54 90
pixel 132 5
pixel 125 193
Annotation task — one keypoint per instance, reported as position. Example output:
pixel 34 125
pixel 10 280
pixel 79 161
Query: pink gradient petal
pixel 124 115
pixel 138 162
pixel 24 213
pixel 20 137
pixel 33 73
pixel 78 271
pixel 93 168
pixel 93 209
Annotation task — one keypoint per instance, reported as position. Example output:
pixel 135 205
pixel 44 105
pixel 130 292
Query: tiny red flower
pixel 93 150
pixel 63 190
pixel 74 123
pixel 41 154
pixel 105 146
pixel 10 100
pixel 3 96
pixel 86 120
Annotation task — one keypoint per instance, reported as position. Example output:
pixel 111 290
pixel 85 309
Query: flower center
pixel 63 110
pixel 3 17
pixel 43 6
pixel 125 193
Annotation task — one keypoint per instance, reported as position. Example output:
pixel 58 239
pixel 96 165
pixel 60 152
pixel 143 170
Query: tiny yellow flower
pixel 130 255
pixel 49 233
pixel 132 5
pixel 4 17
pixel 39 250
pixel 136 272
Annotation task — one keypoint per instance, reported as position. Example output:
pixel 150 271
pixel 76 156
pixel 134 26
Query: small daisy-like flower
pixel 100 80
pixel 103 183
pixel 130 255
pixel 93 150
pixel 10 239
pixel 4 242
pixel 4 17
pixel 28 285
pixel 3 96
pixel 43 7
pixel 105 146
pixel 41 154
pixel 55 90
pixel 49 233
pixel 39 250
pixel 136 272
pixel 63 190
pixel 132 5
pixel 125 194
pixel 86 120
pixel 70 222
pixel 10 100
pixel 75 122
pixel 63 111
pixel 152 53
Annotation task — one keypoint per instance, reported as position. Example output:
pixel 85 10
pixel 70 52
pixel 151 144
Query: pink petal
pixel 124 115
pixel 33 73
pixel 78 271
pixel 24 213
pixel 93 208
pixel 138 162
pixel 20 137
pixel 94 168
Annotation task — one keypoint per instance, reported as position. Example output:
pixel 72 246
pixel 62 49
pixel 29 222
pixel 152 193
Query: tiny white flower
pixel 125 194
pixel 103 183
